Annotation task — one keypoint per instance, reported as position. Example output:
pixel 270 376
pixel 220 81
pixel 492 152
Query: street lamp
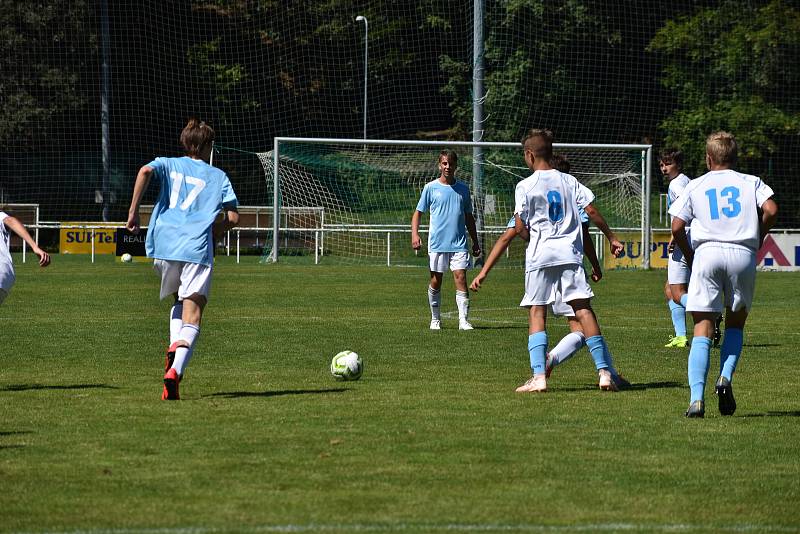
pixel 363 19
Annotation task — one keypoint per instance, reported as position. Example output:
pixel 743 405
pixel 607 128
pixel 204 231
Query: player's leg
pixel 595 342
pixel 459 264
pixel 175 325
pixel 437 264
pixel 678 275
pixel 567 346
pixel 540 286
pixel 699 357
pixel 739 288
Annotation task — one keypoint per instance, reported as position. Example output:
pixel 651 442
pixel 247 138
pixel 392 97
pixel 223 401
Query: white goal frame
pixel 646 152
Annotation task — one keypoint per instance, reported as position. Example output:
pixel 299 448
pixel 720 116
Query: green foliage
pixel 731 67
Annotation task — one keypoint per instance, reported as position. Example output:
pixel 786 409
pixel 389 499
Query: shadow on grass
pixel 28 387
pixel 4 433
pixel 633 387
pixel 239 394
pixel 787 413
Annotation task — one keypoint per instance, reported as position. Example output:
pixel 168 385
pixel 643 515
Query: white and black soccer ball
pixel 127 258
pixel 347 365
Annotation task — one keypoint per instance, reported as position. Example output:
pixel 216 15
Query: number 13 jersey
pixel 191 195
pixel 722 207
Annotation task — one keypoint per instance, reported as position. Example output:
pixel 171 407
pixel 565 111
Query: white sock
pixel 434 299
pixel 189 333
pixel 175 322
pixel 567 347
pixel 462 301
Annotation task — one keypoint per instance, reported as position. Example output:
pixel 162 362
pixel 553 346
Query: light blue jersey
pixel 191 195
pixel 448 204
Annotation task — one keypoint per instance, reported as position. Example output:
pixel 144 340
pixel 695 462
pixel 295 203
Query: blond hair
pixel 721 147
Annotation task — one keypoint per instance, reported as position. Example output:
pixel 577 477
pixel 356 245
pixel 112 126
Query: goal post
pixel 368 189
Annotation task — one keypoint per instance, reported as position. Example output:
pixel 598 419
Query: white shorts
pixel 722 277
pixel 556 286
pixel 456 261
pixel 183 278
pixel 3 295
pixel 678 271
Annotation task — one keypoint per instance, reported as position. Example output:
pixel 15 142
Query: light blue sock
pixel 730 351
pixel 699 356
pixel 678 318
pixel 684 298
pixel 597 346
pixel 537 346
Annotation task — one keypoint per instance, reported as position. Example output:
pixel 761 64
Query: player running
pixel 180 237
pixel 450 206
pixel 7 275
pixel 574 340
pixel 546 215
pixel 723 209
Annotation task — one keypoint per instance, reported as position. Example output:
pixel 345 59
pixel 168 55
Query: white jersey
pixel 722 207
pixel 676 187
pixel 548 203
pixel 7 277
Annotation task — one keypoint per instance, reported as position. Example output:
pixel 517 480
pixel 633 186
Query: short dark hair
pixel 540 142
pixel 671 155
pixel 196 136
pixel 560 163
pixel 451 156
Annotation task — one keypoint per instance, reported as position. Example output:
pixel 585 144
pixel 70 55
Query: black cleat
pixel 696 409
pixel 724 390
pixel 717 330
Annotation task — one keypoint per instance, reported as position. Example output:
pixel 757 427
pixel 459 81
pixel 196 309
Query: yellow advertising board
pixel 632 251
pixel 79 240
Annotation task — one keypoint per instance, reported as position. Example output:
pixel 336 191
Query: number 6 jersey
pixel 722 207
pixel 191 195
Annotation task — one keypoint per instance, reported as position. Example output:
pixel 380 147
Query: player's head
pixel 721 149
pixel 670 161
pixel 537 145
pixel 197 138
pixel 448 163
pixel 560 162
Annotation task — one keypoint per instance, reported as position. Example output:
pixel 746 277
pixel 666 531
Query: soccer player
pixel 7 276
pixel 546 215
pixel 450 206
pixel 574 340
pixel 730 214
pixel 670 162
pixel 180 237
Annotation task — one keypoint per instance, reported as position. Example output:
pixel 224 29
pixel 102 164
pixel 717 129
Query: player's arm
pixel 469 220
pixel 229 220
pixel 142 181
pixel 769 214
pixel 679 236
pixel 19 229
pixel 597 218
pixel 591 254
pixel 416 241
pixel 494 255
pixel 521 229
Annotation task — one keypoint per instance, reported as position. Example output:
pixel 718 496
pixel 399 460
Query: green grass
pixel 432 438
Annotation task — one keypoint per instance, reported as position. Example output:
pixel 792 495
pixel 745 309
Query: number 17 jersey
pixel 191 195
pixel 722 207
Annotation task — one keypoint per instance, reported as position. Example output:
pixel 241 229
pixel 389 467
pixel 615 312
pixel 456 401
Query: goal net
pixel 352 200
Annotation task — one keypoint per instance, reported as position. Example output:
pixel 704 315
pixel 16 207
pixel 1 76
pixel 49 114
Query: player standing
pixel 180 237
pixel 730 214
pixel 450 206
pixel 7 275
pixel 546 215
pixel 574 340
pixel 670 162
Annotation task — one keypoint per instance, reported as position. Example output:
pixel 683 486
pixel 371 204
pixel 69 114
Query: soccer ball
pixel 347 365
pixel 127 258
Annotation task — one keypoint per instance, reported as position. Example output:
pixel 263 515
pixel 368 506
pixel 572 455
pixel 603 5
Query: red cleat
pixel 171 381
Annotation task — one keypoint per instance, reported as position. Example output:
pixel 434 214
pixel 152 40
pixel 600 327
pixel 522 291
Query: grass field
pixel 432 438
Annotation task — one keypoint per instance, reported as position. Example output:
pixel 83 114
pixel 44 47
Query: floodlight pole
pixel 363 19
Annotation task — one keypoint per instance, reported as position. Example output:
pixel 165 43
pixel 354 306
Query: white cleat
pixel 606 382
pixel 465 325
pixel 535 384
pixel 436 324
